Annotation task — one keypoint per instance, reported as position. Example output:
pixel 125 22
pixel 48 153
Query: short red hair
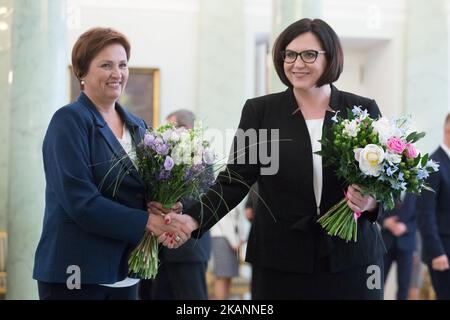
pixel 90 43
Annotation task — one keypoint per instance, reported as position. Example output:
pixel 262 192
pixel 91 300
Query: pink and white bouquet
pixel 175 163
pixel 377 154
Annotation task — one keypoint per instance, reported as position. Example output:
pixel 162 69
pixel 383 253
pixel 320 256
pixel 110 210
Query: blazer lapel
pixel 137 135
pixel 119 153
pixel 299 132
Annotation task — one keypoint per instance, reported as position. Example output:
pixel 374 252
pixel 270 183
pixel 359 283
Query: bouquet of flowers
pixel 378 155
pixel 175 163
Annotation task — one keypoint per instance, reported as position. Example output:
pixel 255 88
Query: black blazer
pixel 284 233
pixel 434 210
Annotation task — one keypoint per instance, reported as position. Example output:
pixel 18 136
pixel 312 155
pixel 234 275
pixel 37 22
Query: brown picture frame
pixel 141 95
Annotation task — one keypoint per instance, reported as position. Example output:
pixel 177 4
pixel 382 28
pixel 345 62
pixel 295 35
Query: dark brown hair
pixel 90 43
pixel 447 119
pixel 327 37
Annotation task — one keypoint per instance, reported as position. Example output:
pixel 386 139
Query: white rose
pixel 370 159
pixel 386 129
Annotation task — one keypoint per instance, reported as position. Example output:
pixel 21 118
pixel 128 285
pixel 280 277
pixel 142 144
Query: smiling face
pixel 304 76
pixel 107 75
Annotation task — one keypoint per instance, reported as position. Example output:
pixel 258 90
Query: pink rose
pixel 411 152
pixel 396 145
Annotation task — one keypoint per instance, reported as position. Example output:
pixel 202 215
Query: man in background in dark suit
pixel 399 235
pixel 182 273
pixel 434 219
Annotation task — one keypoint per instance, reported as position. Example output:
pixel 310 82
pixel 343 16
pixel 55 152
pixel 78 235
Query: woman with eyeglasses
pixel 291 255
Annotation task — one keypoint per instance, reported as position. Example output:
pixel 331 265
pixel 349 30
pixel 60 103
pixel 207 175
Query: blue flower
pixel 433 165
pixel 399 186
pixel 391 170
pixel 356 110
pixel 422 174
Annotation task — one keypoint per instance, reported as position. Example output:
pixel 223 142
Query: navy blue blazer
pixel 434 210
pixel 90 220
pixel 406 213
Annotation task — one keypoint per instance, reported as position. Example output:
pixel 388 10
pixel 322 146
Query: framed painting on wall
pixel 141 94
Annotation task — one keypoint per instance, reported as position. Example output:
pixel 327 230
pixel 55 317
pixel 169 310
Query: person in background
pixel 90 223
pixel 399 235
pixel 434 219
pixel 227 240
pixel 182 273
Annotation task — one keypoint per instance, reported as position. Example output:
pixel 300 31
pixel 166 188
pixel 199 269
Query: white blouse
pixel 315 134
pixel 127 144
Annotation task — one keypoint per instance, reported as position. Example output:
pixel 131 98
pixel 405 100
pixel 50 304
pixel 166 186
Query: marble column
pixel 427 68
pixel 39 86
pixel 286 12
pixel 221 61
pixel 5 56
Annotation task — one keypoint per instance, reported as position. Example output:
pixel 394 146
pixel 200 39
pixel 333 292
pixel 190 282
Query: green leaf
pixel 415 136
pixel 424 160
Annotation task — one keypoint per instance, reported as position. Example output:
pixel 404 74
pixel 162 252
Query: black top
pixel 284 234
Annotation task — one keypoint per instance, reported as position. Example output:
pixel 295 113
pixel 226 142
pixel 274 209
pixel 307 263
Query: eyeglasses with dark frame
pixel 307 56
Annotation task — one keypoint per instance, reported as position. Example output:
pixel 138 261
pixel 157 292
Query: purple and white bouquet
pixel 378 155
pixel 175 163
